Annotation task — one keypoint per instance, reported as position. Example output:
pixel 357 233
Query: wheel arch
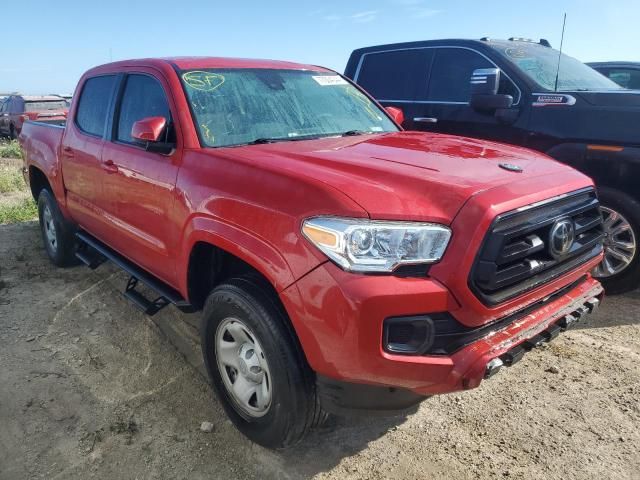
pixel 213 250
pixel 38 181
pixel 609 166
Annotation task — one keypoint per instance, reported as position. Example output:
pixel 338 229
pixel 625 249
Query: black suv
pixel 509 91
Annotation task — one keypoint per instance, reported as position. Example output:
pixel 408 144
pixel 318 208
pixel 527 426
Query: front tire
pixel 256 364
pixel 57 233
pixel 619 272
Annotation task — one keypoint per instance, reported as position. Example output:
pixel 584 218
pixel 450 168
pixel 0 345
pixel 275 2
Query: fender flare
pixel 255 251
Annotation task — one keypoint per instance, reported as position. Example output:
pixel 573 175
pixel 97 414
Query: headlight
pixel 361 245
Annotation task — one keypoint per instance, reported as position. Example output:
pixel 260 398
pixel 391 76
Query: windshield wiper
pixel 297 138
pixel 263 140
pixel 294 138
pixel 354 133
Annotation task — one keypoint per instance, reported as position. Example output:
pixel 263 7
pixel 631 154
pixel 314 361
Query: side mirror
pixel 484 90
pixel 149 132
pixel 148 129
pixel 396 113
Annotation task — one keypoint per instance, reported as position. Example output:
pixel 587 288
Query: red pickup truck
pixel 341 263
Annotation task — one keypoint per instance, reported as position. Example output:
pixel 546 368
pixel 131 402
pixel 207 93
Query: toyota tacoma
pixel 341 263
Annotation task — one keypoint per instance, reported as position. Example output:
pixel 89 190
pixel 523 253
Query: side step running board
pixel 150 307
pixel 92 252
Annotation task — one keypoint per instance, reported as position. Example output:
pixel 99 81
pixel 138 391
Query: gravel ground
pixel 91 388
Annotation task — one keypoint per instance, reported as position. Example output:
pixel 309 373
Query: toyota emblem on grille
pixel 561 237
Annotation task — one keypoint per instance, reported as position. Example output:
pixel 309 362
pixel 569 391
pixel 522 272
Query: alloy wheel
pixel 619 244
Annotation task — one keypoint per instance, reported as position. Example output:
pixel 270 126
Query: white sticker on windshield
pixel 327 80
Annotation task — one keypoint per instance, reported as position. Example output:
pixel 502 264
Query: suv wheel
pixel 256 364
pixel 619 271
pixel 57 233
pixel 12 133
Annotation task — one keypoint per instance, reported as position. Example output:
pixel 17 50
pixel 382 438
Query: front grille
pixel 518 254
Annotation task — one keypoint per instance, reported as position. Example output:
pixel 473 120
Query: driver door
pixel 449 94
pixel 140 185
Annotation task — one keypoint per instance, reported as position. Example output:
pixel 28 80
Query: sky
pixel 47 45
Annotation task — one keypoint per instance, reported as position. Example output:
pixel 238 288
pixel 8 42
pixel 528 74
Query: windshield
pixel 540 64
pixel 46 105
pixel 241 106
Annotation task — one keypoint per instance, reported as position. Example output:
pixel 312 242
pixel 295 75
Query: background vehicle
pixel 625 74
pixel 341 264
pixel 506 90
pixel 19 108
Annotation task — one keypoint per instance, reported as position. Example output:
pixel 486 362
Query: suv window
pixel 143 97
pixel 93 104
pixel 625 77
pixel 451 74
pixel 396 75
pixel 14 105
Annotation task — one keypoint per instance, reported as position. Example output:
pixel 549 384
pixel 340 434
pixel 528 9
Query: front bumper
pixel 339 318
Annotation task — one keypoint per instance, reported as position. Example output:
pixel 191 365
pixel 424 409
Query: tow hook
pixel 493 367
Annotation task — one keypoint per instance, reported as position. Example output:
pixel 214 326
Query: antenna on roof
pixel 564 23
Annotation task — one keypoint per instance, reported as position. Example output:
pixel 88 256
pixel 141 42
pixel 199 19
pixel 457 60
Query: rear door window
pixel 143 97
pixel 93 105
pixel 396 75
pixel 43 106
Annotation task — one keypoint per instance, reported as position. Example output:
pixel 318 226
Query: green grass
pixel 22 211
pixel 16 204
pixel 10 149
pixel 11 179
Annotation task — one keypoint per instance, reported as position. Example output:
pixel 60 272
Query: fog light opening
pixel 408 335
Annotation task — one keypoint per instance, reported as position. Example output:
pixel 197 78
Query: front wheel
pixel 256 364
pixel 619 271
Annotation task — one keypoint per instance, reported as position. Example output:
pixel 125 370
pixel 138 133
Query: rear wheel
pixel 57 233
pixel 256 364
pixel 619 271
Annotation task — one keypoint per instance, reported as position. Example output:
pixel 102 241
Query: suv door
pixel 449 93
pixel 3 116
pixel 13 113
pixel 140 186
pixel 398 78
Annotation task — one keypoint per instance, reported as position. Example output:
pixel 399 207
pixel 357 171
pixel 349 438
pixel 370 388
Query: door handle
pixel 68 151
pixel 110 167
pixel 425 119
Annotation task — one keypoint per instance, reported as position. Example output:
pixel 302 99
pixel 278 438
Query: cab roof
pixel 188 63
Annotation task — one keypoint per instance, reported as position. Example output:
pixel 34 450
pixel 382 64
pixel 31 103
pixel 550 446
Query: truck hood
pixel 613 98
pixel 407 175
pixel 609 117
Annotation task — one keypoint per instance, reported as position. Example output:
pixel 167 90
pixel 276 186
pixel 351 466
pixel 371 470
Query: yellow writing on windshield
pixel 204 81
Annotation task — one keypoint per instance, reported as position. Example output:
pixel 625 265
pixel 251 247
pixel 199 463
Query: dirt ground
pixel 92 388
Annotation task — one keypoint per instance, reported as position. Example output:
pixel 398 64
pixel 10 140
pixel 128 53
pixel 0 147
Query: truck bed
pixel 41 146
